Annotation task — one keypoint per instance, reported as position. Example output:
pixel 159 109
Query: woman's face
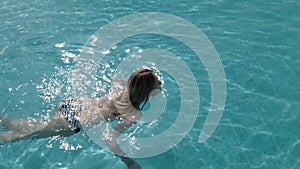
pixel 157 83
pixel 157 87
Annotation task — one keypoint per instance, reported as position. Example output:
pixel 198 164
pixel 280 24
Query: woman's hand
pixel 131 164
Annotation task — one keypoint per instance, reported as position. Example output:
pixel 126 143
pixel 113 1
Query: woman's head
pixel 140 84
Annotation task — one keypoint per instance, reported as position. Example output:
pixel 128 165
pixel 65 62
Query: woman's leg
pixel 17 125
pixel 56 126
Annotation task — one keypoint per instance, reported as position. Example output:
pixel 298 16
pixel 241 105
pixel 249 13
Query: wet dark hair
pixel 140 84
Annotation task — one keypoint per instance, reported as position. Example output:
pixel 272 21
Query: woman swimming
pixel 75 114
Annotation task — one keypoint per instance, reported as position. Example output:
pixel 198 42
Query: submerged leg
pixel 17 125
pixel 15 135
pixel 56 126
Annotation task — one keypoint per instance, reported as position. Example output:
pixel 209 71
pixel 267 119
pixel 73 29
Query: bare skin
pixel 24 129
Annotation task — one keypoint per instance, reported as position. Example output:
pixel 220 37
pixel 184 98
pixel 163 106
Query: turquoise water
pixel 256 42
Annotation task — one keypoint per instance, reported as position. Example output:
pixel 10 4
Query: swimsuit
pixel 71 109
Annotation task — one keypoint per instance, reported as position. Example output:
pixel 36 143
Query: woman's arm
pixel 114 146
pixel 116 132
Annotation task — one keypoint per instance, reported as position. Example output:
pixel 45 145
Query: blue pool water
pixel 257 42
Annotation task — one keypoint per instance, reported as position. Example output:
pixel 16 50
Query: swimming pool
pixel 256 42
